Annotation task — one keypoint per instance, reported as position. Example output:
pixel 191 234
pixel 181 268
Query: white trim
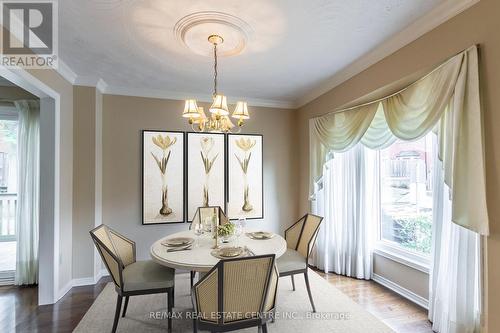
pixel 410 295
pixel 47 292
pixel 418 28
pixel 88 81
pixel 164 94
pixel 101 85
pixel 66 72
pixel 64 290
pixel 91 280
pixel 88 281
pixel 403 257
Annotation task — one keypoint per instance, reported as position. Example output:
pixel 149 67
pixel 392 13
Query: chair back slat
pixel 207 297
pixel 112 264
pixel 116 250
pixel 245 283
pixel 237 289
pixel 308 235
pixel 102 234
pixel 272 289
pixel 123 247
pixel 292 234
pixel 207 212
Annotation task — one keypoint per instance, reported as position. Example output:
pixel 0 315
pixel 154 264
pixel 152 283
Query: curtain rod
pixel 401 90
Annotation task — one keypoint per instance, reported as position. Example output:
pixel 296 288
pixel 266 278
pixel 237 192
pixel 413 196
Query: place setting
pixel 178 244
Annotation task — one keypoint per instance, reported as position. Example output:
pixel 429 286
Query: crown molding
pixel 88 81
pixel 101 85
pixel 66 72
pixel 418 28
pixel 164 94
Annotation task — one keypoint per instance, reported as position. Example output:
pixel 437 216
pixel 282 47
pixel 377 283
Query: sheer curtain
pixel 27 215
pixel 346 202
pixel 455 278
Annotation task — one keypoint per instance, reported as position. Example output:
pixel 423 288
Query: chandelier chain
pixel 215 69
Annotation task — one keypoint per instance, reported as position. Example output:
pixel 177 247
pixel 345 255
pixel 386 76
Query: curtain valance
pixel 446 100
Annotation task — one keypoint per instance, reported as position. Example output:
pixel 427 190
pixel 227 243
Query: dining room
pixel 265 166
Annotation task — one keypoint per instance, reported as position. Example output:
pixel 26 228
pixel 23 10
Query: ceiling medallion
pixel 193 29
pixel 218 120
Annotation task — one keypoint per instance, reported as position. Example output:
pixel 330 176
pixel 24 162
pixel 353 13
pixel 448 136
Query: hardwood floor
pixel 394 310
pixel 19 313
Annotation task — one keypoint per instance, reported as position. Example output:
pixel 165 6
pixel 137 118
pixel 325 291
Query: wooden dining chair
pixel 300 239
pixel 236 294
pixel 131 277
pixel 200 215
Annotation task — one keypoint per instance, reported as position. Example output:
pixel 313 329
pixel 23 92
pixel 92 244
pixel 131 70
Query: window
pixel 406 195
pixel 8 194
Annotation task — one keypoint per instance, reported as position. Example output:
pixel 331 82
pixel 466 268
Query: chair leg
pixel 264 328
pixel 195 326
pixel 293 282
pixel 125 306
pixel 169 308
pixel 192 278
pixel 117 313
pixel 309 291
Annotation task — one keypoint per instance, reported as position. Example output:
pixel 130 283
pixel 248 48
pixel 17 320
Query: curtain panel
pixel 446 100
pixel 28 196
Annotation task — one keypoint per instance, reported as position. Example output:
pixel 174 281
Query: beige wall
pixel 125 117
pixel 15 93
pixel 481 25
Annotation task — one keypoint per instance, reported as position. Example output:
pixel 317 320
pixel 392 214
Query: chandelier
pixel 218 119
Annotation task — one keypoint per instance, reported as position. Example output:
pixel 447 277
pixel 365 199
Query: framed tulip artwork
pixel 162 177
pixel 245 176
pixel 206 161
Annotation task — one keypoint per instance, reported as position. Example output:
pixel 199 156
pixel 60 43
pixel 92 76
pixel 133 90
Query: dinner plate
pixel 228 252
pixel 261 235
pixel 178 241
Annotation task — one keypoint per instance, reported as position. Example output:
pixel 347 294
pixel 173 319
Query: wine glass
pixel 198 231
pixel 238 230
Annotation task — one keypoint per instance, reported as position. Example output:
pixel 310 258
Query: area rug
pixel 336 312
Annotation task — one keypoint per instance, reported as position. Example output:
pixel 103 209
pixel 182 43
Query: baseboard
pixel 408 294
pixel 64 290
pixel 82 282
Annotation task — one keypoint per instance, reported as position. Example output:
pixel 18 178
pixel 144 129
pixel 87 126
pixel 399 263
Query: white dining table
pixel 200 259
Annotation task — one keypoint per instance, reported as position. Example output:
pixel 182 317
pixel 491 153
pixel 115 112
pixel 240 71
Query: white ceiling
pixel 294 45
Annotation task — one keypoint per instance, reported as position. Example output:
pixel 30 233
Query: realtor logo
pixel 29 36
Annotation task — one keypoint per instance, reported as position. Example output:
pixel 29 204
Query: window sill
pixel 403 257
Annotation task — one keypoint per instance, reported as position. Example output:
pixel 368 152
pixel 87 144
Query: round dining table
pixel 200 259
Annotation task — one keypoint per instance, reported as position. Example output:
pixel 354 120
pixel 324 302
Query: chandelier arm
pixel 196 128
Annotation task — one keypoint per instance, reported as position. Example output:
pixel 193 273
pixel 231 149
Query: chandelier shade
pixel 219 106
pixel 241 111
pixel 191 109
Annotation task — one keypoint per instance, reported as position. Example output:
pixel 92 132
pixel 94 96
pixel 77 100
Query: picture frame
pixel 245 176
pixel 206 178
pixel 163 177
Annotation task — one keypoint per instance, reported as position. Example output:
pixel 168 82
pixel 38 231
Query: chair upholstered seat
pixel 300 238
pixel 131 277
pixel 291 261
pixel 145 275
